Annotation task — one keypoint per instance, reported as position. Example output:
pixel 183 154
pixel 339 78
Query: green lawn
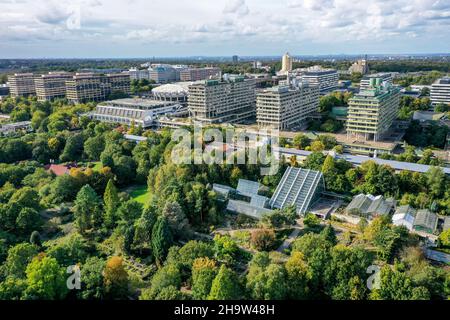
pixel 140 194
pixel 97 166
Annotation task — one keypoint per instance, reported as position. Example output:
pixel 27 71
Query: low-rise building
pixel 425 221
pixel 138 112
pixel 139 74
pixel 369 206
pixel 10 128
pixel 404 216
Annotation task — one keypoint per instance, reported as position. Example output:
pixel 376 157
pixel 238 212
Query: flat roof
pixel 137 102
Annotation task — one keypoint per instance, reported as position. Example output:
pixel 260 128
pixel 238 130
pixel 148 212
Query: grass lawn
pixel 97 166
pixel 140 194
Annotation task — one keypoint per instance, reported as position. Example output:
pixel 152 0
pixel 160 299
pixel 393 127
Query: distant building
pixel 325 79
pixel 4 90
pixel 164 73
pixel 283 107
pixel 22 84
pixel 369 206
pixel 230 100
pixel 428 115
pixel 372 111
pixel 52 85
pixel 196 74
pixel 366 80
pixel 235 59
pixel 85 87
pixel 286 63
pixel 440 91
pixel 360 66
pixel 130 111
pixel 139 74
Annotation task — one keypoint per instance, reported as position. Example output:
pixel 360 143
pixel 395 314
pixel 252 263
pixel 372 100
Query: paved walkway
pixel 294 234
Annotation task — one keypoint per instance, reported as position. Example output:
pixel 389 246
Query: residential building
pixel 440 91
pixel 298 187
pixel 84 87
pixel 325 79
pixel 360 66
pixel 196 74
pixel 372 111
pixel 286 63
pixel 21 84
pixel 139 74
pixel 130 111
pixel 366 80
pixel 173 92
pixel 231 100
pixel 51 86
pixel 284 107
pixel 369 206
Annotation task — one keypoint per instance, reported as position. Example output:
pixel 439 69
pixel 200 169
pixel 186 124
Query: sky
pixel 173 28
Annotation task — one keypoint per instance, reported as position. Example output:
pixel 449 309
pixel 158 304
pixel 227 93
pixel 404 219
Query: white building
pixel 385 77
pixel 174 92
pixel 440 91
pixel 404 216
pixel 286 63
pixel 139 74
pixel 130 111
pixel 325 79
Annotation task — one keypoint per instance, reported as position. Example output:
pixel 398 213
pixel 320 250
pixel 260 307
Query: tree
pixel 46 279
pixel 204 270
pixel 176 218
pixel 18 258
pixel 225 248
pixel 297 276
pixel 394 285
pixel 329 234
pixel 224 286
pixel 161 239
pixel 301 141
pixel 129 211
pixel 86 209
pixel 317 146
pixel 28 220
pixel 115 278
pixel 263 239
pixel 192 251
pixel 111 203
pixel 35 238
pixel 94 146
pixel 436 181
pixel 444 238
pixel 92 281
pixel 73 148
pixel 311 220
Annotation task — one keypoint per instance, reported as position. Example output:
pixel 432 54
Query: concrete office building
pixel 325 79
pixel 165 73
pixel 51 86
pixel 284 107
pixel 138 112
pixel 384 76
pixel 286 63
pixel 440 91
pixel 196 74
pixel 372 111
pixel 84 87
pixel 230 100
pixel 21 84
pixel 137 74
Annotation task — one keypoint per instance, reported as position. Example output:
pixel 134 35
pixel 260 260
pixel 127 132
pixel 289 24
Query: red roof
pixel 58 169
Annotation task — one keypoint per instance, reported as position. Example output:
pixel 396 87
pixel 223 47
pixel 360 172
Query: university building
pixel 372 111
pixel 51 86
pixel 230 100
pixel 440 91
pixel 283 107
pixel 21 85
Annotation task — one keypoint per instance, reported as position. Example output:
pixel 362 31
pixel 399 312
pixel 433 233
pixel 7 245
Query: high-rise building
pixel 286 63
pixel 372 111
pixel 326 79
pixel 235 59
pixel 384 76
pixel 84 87
pixel 51 86
pixel 22 84
pixel 440 91
pixel 284 107
pixel 230 100
pixel 196 74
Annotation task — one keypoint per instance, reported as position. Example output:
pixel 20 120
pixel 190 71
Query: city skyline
pixel 135 28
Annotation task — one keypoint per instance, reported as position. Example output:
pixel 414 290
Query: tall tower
pixel 286 63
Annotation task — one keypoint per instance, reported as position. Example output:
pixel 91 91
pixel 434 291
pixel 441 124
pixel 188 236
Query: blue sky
pixel 142 28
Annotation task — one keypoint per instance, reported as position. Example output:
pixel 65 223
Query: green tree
pixel 86 209
pixel 161 239
pixel 204 270
pixel 225 285
pixel 111 203
pixel 115 278
pixel 19 256
pixel 297 276
pixel 92 281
